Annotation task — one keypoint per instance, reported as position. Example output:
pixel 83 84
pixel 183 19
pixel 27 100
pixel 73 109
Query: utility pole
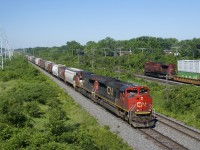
pixel 142 49
pixel 176 53
pixel 77 51
pixel 105 51
pixel 93 49
pixel 167 94
pixel 119 71
pixel 119 63
pixel 120 50
pixel 6 50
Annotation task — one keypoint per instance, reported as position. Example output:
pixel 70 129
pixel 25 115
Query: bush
pixel 16 117
pixel 33 109
pixel 182 99
pixel 57 118
pixel 6 131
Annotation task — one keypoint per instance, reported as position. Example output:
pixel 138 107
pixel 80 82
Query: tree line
pixel 187 48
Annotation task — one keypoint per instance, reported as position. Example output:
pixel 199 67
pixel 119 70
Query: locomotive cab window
pixel 143 91
pixel 131 93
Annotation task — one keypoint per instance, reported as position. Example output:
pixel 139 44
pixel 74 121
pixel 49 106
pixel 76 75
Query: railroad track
pixel 161 140
pixel 163 81
pixel 191 133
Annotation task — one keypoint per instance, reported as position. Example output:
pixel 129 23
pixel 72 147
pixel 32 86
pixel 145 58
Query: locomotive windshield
pixel 142 90
pixel 132 93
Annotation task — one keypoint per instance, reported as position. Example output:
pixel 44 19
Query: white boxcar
pixel 55 70
pixel 37 61
pixel 70 73
pixel 32 59
pixel 189 66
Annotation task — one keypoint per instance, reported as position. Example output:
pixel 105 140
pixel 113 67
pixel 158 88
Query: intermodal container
pixel 192 66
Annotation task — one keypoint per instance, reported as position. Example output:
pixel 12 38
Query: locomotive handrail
pixel 154 112
pixel 129 112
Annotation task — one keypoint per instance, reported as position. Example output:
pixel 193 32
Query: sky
pixel 48 23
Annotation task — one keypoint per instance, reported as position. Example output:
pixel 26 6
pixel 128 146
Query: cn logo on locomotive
pixel 109 91
pixel 141 104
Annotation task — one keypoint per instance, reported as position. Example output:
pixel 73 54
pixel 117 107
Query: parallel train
pixel 129 101
pixel 188 71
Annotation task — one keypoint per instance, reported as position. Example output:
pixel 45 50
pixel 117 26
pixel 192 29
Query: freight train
pixel 188 71
pixel 129 101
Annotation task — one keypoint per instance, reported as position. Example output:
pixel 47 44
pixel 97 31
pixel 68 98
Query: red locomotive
pixel 129 101
pixel 157 69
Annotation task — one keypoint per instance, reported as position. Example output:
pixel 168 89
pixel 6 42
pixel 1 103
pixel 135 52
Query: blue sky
pixel 32 23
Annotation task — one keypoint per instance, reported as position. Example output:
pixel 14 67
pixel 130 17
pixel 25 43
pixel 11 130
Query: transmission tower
pixel 6 51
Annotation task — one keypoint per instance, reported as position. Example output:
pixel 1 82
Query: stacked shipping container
pixel 189 69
